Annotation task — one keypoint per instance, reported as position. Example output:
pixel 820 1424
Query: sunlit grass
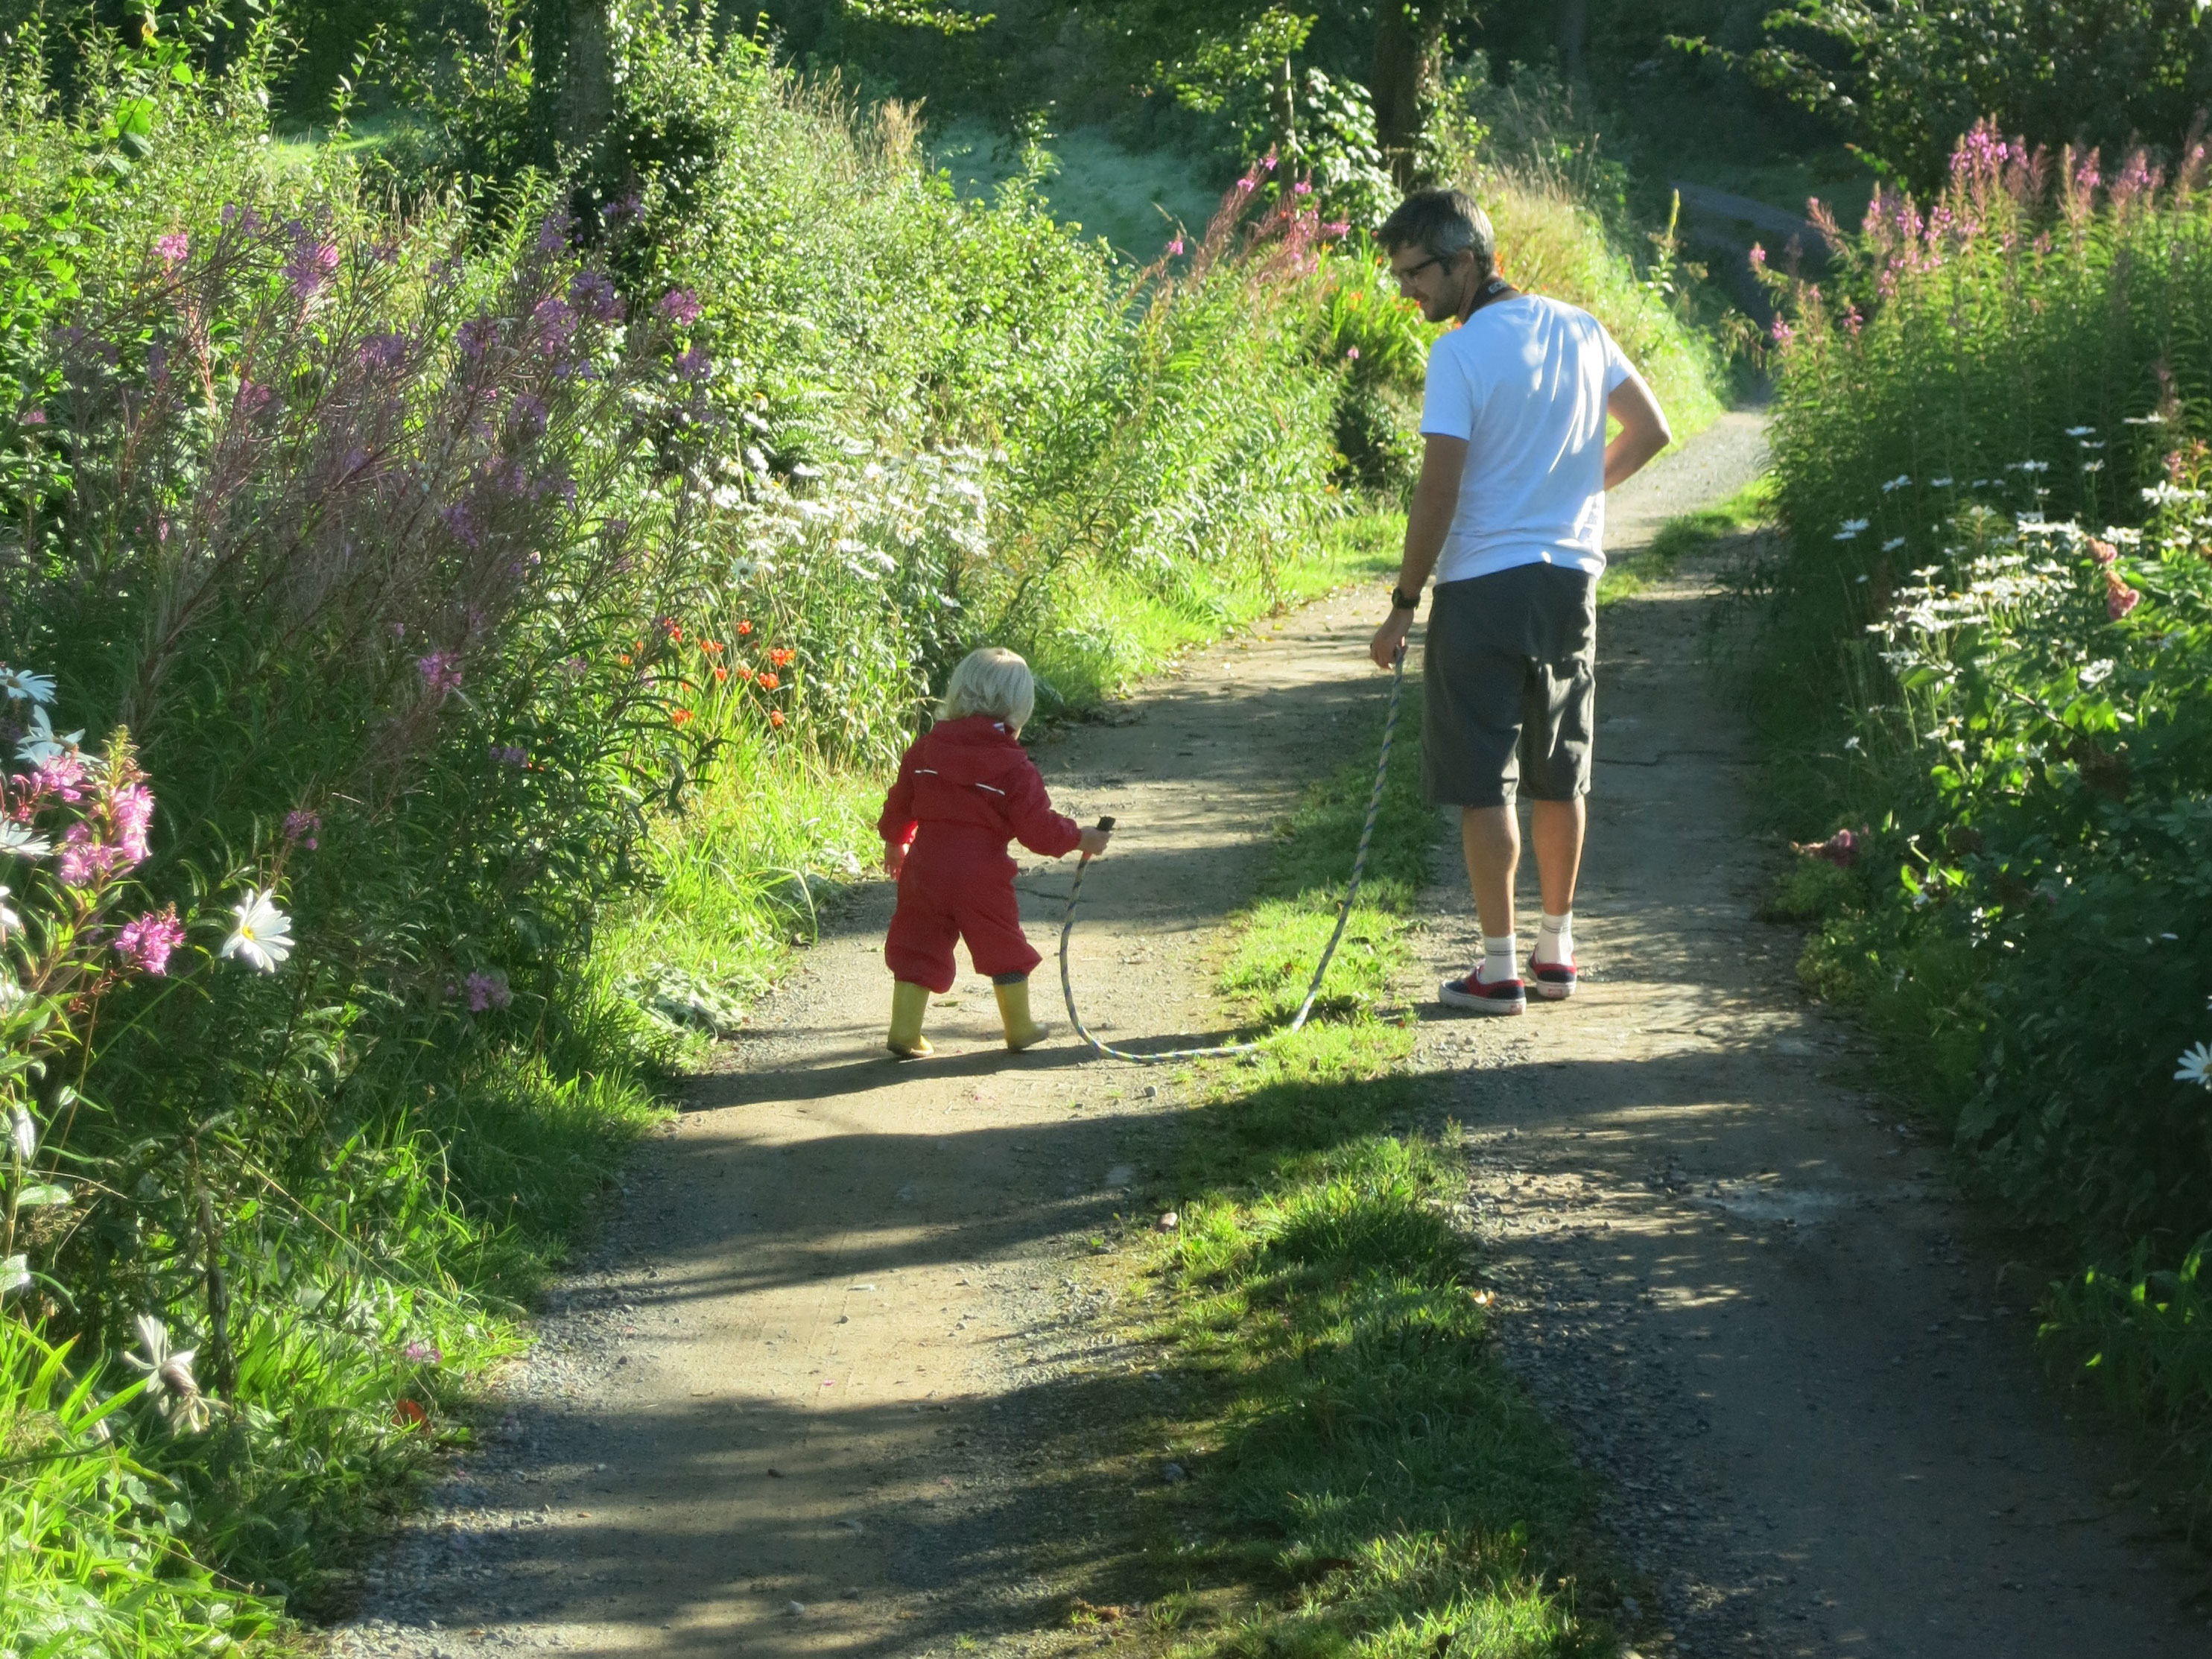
pixel 1370 1482
pixel 1693 532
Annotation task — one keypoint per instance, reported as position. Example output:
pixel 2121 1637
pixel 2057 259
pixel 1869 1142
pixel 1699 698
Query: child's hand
pixel 1094 843
pixel 894 859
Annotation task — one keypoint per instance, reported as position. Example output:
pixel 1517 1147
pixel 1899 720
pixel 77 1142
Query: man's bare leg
pixel 1490 837
pixel 1555 832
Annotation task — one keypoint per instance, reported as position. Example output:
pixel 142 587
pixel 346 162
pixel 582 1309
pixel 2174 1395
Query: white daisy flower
pixel 22 685
pixel 42 742
pixel 2196 1066
pixel 263 938
pixel 1851 529
pixel 169 1380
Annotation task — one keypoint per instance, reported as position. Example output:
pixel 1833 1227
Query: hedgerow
pixel 404 576
pixel 1994 603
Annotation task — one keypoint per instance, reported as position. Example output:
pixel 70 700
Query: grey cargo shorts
pixel 1509 686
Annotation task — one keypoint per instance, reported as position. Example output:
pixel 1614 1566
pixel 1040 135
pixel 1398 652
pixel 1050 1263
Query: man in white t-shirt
pixel 1510 514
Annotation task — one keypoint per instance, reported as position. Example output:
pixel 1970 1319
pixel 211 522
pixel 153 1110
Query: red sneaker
pixel 1506 996
pixel 1555 980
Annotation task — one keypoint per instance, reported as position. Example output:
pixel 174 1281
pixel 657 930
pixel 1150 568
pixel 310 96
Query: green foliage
pixel 87 1560
pixel 1912 77
pixel 521 629
pixel 1381 345
pixel 1988 642
pixel 1681 538
pixel 1390 1484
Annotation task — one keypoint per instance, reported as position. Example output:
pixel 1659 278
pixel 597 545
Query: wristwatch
pixel 1402 602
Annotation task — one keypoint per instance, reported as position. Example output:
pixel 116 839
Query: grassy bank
pixel 740 878
pixel 1364 1480
pixel 1981 679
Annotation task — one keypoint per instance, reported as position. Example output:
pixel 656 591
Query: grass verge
pixel 1678 538
pixel 1366 1481
pixel 745 873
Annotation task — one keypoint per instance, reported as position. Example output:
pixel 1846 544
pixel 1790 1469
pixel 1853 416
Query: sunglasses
pixel 1411 271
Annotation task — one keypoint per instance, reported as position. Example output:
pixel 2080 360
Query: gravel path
pixel 1735 1272
pixel 832 1380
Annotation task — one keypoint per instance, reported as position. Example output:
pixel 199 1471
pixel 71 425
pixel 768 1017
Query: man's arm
pixel 1436 499
pixel 1643 432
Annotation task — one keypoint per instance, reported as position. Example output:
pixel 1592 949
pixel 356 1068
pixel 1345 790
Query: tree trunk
pixel 1408 36
pixel 588 91
pixel 1571 33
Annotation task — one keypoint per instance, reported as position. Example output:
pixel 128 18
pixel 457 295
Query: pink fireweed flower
pixel 1758 257
pixel 486 992
pixel 1852 321
pixel 1353 352
pixel 145 943
pixel 301 827
pixel 2119 598
pixel 553 233
pixel 1302 188
pixel 681 306
pixel 310 266
pixel 1840 849
pixel 590 293
pixel 476 336
pixel 132 810
pixel 174 249
pixel 556 324
pixel 1783 333
pixel 2103 552
pixel 423 1353
pixel 1176 246
pixel 1247 186
pixel 86 861
pixel 693 363
pixel 442 674
pixel 1336 228
pixel 385 351
pixel 59 775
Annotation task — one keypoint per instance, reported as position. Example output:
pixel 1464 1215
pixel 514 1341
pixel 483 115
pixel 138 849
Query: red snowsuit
pixel 965 788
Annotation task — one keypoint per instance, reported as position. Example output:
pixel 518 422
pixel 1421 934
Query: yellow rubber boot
pixel 1021 1032
pixel 909 1002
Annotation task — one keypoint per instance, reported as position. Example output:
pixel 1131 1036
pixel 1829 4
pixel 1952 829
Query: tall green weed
pixel 464 562
pixel 1988 635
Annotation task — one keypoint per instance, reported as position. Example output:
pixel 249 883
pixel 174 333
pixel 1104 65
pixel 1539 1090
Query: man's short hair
pixel 1442 223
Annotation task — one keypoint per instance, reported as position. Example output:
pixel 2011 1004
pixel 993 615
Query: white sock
pixel 1501 959
pixel 1555 938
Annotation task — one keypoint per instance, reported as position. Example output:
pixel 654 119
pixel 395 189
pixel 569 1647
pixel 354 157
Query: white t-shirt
pixel 1524 380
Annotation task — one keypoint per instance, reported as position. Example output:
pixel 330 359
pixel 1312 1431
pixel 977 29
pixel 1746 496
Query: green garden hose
pixel 1321 968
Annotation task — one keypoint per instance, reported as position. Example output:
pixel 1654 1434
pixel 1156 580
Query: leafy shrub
pixel 1912 77
pixel 1996 590
pixel 460 572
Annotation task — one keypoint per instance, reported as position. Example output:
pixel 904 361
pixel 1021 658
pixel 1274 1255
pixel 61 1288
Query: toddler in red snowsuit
pixel 964 789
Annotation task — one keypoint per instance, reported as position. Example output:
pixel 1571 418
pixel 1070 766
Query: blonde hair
pixel 992 681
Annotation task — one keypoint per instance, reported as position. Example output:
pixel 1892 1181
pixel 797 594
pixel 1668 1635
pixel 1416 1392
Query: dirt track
pixel 1741 1280
pixel 819 1390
